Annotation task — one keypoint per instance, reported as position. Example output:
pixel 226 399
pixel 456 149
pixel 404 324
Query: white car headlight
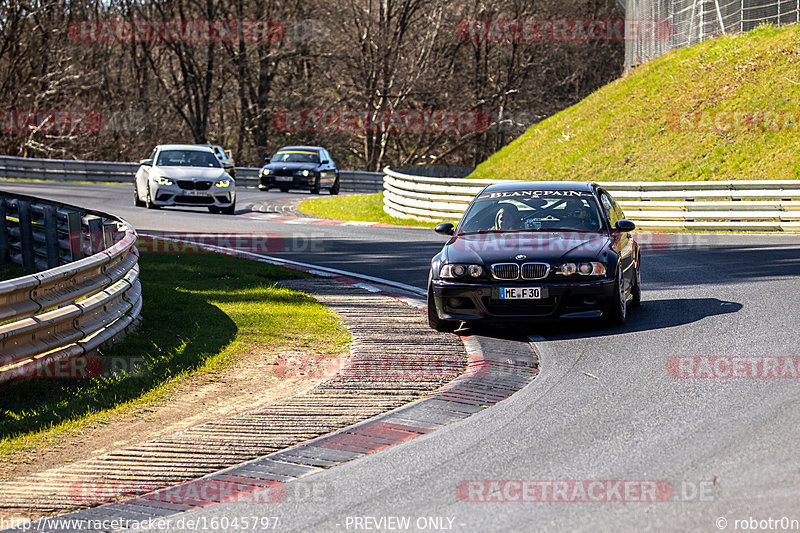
pixel 222 183
pixel 161 180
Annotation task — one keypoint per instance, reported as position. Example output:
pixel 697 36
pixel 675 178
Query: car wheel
pixel 148 203
pixel 636 291
pixel 230 210
pixel 136 200
pixel 315 187
pixel 284 189
pixel 335 187
pixel 433 317
pixel 618 308
pixel 213 209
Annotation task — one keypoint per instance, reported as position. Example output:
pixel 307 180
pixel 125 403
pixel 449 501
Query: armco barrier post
pixel 74 232
pixel 51 236
pixel 26 234
pixel 96 236
pixel 3 230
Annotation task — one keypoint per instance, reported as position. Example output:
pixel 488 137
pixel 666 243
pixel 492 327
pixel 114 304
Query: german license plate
pixel 284 178
pixel 521 293
pixel 196 193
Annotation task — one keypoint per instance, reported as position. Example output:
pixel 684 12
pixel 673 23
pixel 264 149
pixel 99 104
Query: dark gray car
pixel 300 167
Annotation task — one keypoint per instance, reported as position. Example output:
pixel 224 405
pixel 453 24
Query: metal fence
pixel 85 292
pixel 107 171
pixel 659 206
pixel 694 21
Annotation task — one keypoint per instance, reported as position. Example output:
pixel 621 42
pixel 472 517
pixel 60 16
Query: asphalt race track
pixel 604 407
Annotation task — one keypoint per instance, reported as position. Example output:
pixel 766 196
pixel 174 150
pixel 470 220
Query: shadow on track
pixel 652 315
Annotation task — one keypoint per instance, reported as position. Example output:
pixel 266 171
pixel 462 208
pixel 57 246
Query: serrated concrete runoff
pixel 395 360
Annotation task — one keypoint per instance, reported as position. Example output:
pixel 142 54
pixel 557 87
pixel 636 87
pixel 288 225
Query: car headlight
pixel 591 268
pixel 304 173
pixel 456 271
pixel 222 183
pixel 161 180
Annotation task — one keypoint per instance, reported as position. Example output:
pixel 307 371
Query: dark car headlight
pixel 461 271
pixel 587 268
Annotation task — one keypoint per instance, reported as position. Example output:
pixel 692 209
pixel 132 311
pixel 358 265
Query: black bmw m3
pixel 536 250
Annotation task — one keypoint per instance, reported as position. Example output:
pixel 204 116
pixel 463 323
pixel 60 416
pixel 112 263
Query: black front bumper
pixel 579 299
pixel 298 182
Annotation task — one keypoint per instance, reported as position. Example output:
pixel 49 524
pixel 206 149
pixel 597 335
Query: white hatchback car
pixel 187 175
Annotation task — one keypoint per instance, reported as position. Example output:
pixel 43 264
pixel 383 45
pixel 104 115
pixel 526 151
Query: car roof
pixel 201 147
pixel 300 148
pixel 542 185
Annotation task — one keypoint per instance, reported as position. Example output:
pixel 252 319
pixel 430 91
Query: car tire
pixel 136 200
pixel 315 187
pixel 335 187
pixel 148 203
pixel 284 189
pixel 230 210
pixel 213 209
pixel 433 317
pixel 618 307
pixel 636 291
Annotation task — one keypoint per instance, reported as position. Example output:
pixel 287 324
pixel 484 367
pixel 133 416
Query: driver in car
pixel 507 217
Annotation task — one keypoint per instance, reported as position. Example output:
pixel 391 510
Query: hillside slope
pixel 724 109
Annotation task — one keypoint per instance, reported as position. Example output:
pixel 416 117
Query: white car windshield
pixel 296 156
pixel 187 158
pixel 533 211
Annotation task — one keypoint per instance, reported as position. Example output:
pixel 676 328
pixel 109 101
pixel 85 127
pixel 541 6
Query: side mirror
pixel 445 228
pixel 227 164
pixel 266 160
pixel 625 225
pixel 146 162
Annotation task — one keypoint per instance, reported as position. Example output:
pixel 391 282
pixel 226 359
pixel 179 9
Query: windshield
pixel 187 158
pixel 533 211
pixel 296 156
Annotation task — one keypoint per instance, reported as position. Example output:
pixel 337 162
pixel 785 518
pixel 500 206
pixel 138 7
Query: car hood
pixel 291 166
pixel 190 173
pixel 545 247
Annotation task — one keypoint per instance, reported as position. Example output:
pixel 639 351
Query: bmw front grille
pixel 535 270
pixel 505 271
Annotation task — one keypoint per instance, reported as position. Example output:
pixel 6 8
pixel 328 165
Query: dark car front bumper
pixel 578 299
pixel 297 182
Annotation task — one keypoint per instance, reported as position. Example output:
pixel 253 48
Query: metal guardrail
pixel 89 295
pixel 661 206
pixel 107 171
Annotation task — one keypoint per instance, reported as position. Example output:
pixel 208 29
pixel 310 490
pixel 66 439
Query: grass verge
pixel 201 312
pixel 638 128
pixel 361 207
